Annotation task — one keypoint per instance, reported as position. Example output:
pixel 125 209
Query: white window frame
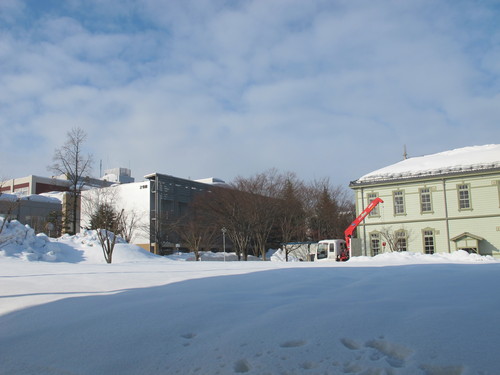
pixel 370 197
pixel 375 236
pixel 429 240
pixel 462 190
pixel 398 198
pixel 401 240
pixel 425 191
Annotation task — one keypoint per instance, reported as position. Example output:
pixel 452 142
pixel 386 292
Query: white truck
pixel 336 250
pixel 341 250
pixel 330 250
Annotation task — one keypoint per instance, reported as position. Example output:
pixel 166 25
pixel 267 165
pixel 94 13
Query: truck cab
pixel 331 250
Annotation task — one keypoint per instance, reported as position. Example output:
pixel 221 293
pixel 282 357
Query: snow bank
pixel 404 257
pixel 208 256
pixel 86 237
pixel 280 256
pixel 57 195
pixel 8 197
pixel 44 198
pixel 462 159
pixel 19 241
pixel 87 243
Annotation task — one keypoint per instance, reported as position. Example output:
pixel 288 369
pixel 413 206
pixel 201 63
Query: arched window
pixel 375 243
pixel 429 241
pixel 401 240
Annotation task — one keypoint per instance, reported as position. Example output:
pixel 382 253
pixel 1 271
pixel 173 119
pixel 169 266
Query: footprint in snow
pixel 350 344
pixel 293 343
pixel 241 366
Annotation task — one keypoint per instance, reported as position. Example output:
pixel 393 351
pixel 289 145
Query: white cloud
pixel 10 10
pixel 199 88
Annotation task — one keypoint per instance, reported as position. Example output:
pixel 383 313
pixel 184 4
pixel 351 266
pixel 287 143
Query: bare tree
pixel 106 222
pixel 291 220
pixel 227 207
pixel 272 208
pixel 131 222
pixel 99 205
pixel 230 206
pixel 70 161
pixel 53 223
pixel 196 231
pixel 162 232
pixel 397 240
pixel 263 193
pixel 330 211
pixel 8 205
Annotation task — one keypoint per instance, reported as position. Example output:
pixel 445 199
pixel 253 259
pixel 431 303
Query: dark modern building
pixel 169 200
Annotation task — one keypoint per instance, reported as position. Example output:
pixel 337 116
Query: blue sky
pixel 208 88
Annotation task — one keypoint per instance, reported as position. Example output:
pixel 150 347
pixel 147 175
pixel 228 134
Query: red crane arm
pixel 348 232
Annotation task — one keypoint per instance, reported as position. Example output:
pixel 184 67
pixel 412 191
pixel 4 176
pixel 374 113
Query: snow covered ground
pixel 64 311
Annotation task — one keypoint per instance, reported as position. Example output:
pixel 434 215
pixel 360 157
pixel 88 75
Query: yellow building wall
pixel 446 218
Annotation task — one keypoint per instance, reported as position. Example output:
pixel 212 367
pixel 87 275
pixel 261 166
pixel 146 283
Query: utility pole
pixel 224 230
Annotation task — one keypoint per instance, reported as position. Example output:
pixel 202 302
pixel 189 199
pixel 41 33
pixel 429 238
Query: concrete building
pixel 33 209
pixel 42 213
pixel 156 203
pixel 33 185
pixel 38 185
pixel 435 203
pixel 118 175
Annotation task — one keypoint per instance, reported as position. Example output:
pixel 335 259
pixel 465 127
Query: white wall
pixel 132 198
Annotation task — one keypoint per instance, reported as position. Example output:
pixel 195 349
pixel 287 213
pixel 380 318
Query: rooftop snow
pixel 461 159
pixel 41 198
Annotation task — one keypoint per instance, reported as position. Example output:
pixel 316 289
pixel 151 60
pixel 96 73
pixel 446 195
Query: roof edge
pixel 440 176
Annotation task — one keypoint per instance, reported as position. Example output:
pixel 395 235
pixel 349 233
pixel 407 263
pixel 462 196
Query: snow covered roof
pixel 8 197
pixel 211 181
pixel 467 159
pixel 41 198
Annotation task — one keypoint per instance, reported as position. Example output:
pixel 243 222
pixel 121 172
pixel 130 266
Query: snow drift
pixel 19 241
pixel 65 311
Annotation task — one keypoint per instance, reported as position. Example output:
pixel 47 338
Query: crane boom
pixel 350 230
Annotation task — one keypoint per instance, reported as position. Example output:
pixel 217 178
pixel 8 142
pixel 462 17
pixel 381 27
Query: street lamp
pixel 224 230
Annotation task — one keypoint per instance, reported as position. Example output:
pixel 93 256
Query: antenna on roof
pixel 405 154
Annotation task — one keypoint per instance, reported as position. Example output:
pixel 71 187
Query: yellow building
pixel 435 203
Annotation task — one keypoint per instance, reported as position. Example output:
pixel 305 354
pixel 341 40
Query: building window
pixel 429 241
pixel 464 197
pixel 498 185
pixel 371 197
pixel 425 200
pixel 399 202
pixel 21 192
pixel 401 240
pixel 375 243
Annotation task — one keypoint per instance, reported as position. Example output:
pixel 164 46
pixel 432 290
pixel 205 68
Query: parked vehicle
pixel 350 229
pixel 340 250
pixel 331 250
